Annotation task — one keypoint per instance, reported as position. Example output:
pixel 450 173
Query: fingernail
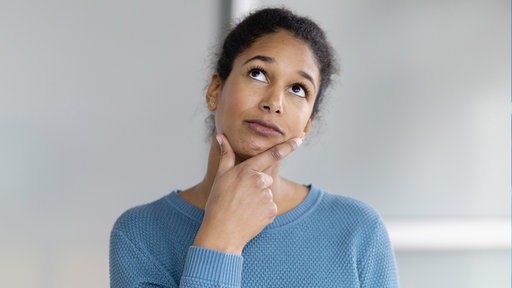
pixel 298 141
pixel 219 139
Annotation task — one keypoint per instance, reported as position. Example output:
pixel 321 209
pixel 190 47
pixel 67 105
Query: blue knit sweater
pixel 327 241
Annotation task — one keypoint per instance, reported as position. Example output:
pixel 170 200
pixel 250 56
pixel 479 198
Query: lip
pixel 263 127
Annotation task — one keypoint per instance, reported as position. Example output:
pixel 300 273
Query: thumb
pixel 227 156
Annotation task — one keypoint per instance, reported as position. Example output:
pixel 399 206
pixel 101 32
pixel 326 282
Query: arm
pixel 131 267
pixel 239 206
pixel 378 268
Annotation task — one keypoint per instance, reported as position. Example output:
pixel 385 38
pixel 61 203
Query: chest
pixel 297 259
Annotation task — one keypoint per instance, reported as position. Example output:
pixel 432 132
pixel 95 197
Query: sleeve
pixel 204 268
pixel 211 268
pixel 378 266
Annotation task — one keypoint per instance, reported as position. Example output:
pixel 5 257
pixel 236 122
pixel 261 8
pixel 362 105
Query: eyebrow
pixel 272 61
pixel 262 58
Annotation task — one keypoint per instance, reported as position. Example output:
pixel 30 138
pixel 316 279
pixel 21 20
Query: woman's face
pixel 269 95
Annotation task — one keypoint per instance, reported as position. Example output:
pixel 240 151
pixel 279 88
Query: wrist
pixel 222 244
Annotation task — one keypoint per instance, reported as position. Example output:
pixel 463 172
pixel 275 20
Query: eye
pixel 298 90
pixel 258 74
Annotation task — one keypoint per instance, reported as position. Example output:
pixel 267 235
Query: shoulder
pixel 169 215
pixel 135 215
pixel 347 215
pixel 346 206
pixel 142 217
pixel 350 216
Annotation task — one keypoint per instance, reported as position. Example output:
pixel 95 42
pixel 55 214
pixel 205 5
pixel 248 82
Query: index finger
pixel 273 155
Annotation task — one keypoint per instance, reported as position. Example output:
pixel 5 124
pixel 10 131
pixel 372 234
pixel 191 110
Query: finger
pixel 227 156
pixel 274 210
pixel 263 180
pixel 270 194
pixel 273 155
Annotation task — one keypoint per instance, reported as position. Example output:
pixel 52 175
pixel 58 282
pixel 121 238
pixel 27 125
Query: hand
pixel 240 203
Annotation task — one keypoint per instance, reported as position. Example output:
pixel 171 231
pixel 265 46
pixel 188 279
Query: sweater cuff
pixel 213 266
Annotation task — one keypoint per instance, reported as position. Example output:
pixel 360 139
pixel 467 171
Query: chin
pixel 248 149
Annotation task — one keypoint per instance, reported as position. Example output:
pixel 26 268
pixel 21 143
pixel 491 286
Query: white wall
pixel 101 110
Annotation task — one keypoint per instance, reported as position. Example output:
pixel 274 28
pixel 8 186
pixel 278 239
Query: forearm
pixel 130 266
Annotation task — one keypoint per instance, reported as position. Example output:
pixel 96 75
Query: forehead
pixel 287 50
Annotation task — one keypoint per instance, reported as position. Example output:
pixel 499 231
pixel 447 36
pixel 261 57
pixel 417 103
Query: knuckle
pixel 224 153
pixel 260 180
pixel 264 180
pixel 269 180
pixel 276 153
pixel 268 195
pixel 272 212
pixel 293 145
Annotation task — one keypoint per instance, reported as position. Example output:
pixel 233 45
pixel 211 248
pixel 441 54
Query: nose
pixel 272 102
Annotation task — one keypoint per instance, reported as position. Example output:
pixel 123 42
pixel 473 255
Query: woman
pixel 244 225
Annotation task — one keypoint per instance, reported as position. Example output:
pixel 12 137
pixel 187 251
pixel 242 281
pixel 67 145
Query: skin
pixel 242 191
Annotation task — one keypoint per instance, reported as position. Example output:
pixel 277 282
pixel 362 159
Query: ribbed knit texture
pixel 327 241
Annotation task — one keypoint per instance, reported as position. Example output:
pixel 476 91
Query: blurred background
pixel 102 108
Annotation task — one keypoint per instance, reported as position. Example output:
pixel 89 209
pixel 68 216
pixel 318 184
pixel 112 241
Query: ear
pixel 308 126
pixel 213 91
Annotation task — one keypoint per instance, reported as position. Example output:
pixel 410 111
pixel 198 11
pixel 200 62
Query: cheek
pixel 301 128
pixel 236 98
pixel 302 115
pixel 231 105
pixel 300 119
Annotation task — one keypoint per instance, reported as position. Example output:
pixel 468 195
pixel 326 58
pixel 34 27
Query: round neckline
pixel 197 214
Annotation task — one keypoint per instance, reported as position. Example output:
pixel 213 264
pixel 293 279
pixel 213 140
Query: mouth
pixel 264 128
